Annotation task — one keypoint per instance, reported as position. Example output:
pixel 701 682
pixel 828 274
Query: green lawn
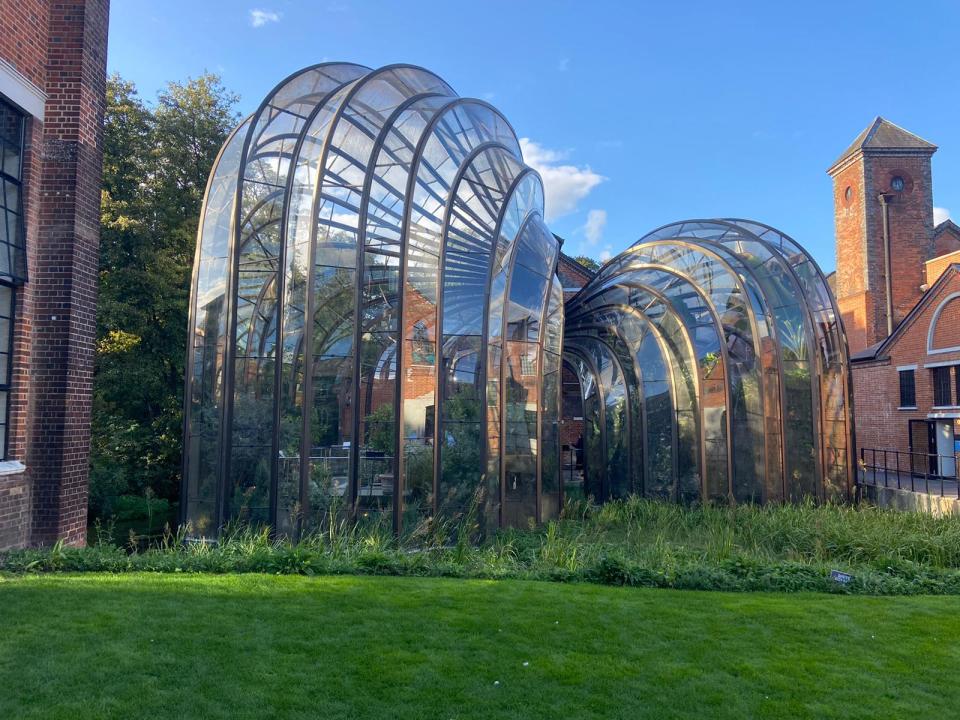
pixel 258 646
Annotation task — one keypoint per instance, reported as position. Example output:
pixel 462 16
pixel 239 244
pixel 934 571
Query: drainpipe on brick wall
pixel 884 199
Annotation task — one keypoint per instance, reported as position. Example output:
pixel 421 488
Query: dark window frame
pixel 10 283
pixel 6 381
pixel 908 389
pixel 16 260
pixel 942 386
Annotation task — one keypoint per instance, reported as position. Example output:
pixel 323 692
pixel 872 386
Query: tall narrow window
pixel 908 389
pixel 12 259
pixel 942 387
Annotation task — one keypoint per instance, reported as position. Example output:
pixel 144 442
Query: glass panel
pixel 658 419
pixel 521 437
pixel 572 434
pixel 12 256
pixel 550 438
pixel 207 340
pixel 453 136
pixel 593 454
pixel 461 415
pixel 271 154
pixel 4 397
pixel 523 204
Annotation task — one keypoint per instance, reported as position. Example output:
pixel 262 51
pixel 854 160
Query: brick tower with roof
pixel 883 201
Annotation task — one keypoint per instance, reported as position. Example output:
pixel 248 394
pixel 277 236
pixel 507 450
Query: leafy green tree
pixel 156 163
pixel 588 262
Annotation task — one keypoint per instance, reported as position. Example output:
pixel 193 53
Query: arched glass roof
pixel 375 316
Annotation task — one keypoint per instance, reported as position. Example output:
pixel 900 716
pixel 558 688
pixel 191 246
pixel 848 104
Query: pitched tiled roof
pixel 882 134
pixel 947 224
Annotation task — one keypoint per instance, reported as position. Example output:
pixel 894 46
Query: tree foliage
pixel 588 262
pixel 155 167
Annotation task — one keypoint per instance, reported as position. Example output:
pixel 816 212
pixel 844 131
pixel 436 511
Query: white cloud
pixel 596 221
pixel 940 214
pixel 564 185
pixel 259 18
pixel 606 253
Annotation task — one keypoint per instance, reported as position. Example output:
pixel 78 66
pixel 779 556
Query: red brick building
pixel 572 274
pixel 898 289
pixel 52 82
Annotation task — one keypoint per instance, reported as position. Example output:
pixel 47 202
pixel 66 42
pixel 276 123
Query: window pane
pixel 941 386
pixel 11 160
pixel 907 389
pixel 3 424
pixel 12 265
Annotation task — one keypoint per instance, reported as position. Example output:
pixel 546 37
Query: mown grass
pixel 633 542
pixel 256 646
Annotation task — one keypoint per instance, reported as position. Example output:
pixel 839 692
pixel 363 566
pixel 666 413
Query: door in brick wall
pixel 923 447
pixel 946 461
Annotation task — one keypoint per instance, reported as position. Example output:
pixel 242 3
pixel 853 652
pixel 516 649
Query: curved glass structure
pixel 712 365
pixel 377 327
pixel 375 319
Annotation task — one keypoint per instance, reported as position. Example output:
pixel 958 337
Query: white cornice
pixel 20 91
pixel 11 467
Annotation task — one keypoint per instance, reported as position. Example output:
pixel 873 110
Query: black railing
pixel 918 472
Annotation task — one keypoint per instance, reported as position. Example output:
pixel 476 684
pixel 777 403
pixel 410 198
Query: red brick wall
pixel 946 241
pixel 911 224
pixel 853 276
pixel 946 333
pixel 23 37
pixel 61 47
pixel 572 275
pixel 877 385
pixel 861 274
pixel 571 429
pixel 934 268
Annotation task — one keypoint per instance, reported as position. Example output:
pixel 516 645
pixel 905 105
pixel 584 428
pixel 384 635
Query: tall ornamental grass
pixel 631 542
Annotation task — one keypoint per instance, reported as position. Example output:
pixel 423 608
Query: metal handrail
pixel 910 470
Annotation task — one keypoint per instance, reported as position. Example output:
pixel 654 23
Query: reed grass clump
pixel 635 541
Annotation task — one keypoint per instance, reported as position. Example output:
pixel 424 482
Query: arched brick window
pixel 944 334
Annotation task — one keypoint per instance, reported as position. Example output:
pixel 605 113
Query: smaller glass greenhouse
pixel 708 362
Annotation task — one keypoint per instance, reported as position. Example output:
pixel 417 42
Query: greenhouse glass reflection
pixel 377 327
pixel 375 316
pixel 709 363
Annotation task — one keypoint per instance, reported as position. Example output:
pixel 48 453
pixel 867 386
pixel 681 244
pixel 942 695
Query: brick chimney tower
pixel 883 208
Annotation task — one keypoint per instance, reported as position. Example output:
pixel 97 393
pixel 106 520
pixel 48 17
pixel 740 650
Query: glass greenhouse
pixel 377 326
pixel 375 317
pixel 709 363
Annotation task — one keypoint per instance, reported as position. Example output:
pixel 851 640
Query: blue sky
pixel 637 114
